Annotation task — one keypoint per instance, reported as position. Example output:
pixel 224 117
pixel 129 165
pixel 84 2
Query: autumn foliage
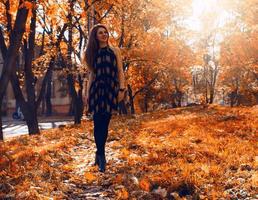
pixel 175 54
pixel 202 153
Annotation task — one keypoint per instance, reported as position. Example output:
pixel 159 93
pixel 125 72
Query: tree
pixel 240 68
pixel 30 106
pixel 239 56
pixel 12 51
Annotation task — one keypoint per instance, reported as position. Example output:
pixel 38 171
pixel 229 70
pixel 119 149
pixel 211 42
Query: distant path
pixel 12 128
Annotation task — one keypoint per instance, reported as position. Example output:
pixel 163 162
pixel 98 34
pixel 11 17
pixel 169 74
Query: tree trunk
pixel 70 77
pixel 206 93
pixel 12 52
pixel 76 104
pixel 122 107
pixel 178 98
pixel 30 115
pixel 231 100
pixel 71 108
pixel 15 43
pixel 48 102
pixel 77 108
pixel 130 93
pixel 42 93
pixel 31 119
pixel 145 103
pixel 30 80
pixel 28 108
pixel 78 111
pixel 211 95
pixel 77 115
pixel 75 91
pixel 173 102
pixel 43 106
pixel 48 96
pixel 179 103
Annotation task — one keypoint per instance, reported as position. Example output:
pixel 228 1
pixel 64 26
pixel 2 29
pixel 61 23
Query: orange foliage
pixel 122 194
pixel 184 149
pixel 239 59
pixel 26 4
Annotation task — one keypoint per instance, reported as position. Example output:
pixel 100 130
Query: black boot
pixel 96 160
pixel 102 163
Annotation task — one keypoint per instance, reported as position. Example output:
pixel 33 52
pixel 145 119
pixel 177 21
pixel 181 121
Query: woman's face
pixel 102 35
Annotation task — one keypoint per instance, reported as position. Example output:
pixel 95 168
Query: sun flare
pixel 206 15
pixel 200 6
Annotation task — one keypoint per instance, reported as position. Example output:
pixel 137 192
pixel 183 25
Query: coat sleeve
pixel 121 77
pixel 90 76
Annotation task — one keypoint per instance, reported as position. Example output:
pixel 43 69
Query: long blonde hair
pixel 93 45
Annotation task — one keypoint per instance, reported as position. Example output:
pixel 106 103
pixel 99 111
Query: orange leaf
pixel 89 177
pixel 118 179
pixel 83 14
pixel 27 5
pixel 125 152
pixel 122 194
pixel 14 167
pixel 67 168
pixel 145 185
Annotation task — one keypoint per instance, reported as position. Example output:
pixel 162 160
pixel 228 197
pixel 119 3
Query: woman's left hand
pixel 121 96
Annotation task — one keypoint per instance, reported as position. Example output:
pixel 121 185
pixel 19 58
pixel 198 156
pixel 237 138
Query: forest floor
pixel 183 153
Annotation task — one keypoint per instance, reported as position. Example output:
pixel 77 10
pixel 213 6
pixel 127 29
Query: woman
pixel 105 87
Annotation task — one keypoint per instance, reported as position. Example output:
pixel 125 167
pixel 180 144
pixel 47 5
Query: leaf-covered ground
pixel 183 153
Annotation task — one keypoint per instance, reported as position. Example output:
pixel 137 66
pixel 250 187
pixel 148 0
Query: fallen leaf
pixel 122 194
pixel 125 153
pixel 118 179
pixel 90 177
pixel 144 185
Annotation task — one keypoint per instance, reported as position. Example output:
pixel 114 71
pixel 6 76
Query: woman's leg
pixel 97 131
pixel 107 118
pixel 101 123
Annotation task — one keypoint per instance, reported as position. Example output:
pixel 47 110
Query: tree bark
pixel 76 93
pixel 29 115
pixel 12 52
pixel 30 81
pixel 178 97
pixel 32 123
pixel 122 107
pixel 211 95
pixel 43 106
pixel 48 95
pixel 79 102
pixel 145 103
pixel 131 99
pixel 71 108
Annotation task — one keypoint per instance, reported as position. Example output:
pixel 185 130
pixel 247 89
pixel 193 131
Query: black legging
pixel 101 122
